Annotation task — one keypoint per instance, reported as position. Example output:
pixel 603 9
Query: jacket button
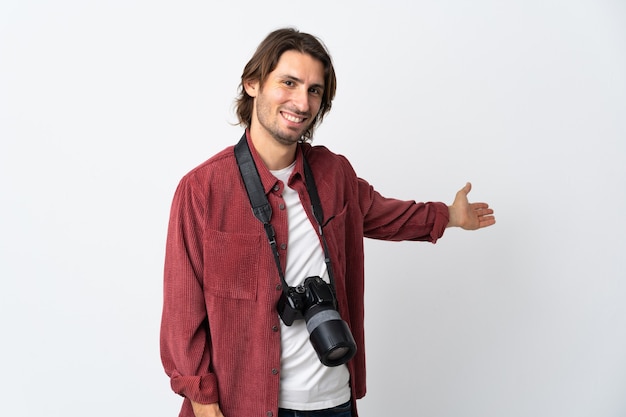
pixel 283 246
pixel 274 328
pixel 269 414
pixel 281 206
pixel 274 371
pixel 279 287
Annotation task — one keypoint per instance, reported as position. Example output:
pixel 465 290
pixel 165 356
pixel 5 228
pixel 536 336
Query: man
pixel 223 343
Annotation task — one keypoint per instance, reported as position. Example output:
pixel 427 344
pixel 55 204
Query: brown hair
pixel 264 61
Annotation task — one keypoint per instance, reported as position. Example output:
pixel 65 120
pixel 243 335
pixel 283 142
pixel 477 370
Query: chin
pixel 289 139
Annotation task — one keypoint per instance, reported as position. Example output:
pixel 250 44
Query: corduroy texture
pixel 219 334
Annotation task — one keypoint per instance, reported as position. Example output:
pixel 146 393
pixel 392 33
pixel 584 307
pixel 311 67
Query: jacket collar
pixel 268 180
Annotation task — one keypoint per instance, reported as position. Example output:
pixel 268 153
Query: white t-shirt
pixel 305 383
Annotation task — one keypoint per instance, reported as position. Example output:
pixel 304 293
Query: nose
pixel 300 98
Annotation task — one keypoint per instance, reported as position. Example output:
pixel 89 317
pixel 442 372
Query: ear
pixel 251 87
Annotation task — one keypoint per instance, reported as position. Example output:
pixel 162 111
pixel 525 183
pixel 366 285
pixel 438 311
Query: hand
pixel 469 216
pixel 206 410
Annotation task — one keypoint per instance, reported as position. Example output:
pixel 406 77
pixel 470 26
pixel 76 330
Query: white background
pixel 104 105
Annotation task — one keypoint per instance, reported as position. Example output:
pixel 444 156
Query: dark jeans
pixel 343 410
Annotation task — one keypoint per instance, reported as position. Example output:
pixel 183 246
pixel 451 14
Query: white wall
pixel 104 106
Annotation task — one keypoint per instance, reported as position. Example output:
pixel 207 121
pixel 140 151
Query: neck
pixel 275 155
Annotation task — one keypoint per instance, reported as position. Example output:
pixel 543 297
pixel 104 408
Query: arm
pixel 185 350
pixel 469 216
pixel 396 220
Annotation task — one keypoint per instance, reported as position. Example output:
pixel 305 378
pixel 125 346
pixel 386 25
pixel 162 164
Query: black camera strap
pixel 263 211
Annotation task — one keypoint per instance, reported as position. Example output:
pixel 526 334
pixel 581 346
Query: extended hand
pixel 469 216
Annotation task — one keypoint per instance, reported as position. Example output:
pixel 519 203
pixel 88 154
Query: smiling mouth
pixel 292 118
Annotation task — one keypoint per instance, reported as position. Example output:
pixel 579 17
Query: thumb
pixel 465 190
pixel 461 196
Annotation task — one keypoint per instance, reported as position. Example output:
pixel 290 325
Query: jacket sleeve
pixel 185 341
pixel 391 219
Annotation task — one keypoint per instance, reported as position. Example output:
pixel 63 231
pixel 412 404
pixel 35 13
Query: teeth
pixel 293 118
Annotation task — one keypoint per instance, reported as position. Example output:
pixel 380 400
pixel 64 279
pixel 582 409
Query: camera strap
pixel 263 211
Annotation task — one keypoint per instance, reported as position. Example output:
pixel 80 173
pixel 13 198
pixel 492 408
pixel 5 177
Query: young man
pixel 224 344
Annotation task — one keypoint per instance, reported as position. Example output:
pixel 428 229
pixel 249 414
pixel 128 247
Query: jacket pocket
pixel 231 266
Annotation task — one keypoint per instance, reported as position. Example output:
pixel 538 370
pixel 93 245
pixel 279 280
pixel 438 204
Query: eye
pixel 289 83
pixel 315 90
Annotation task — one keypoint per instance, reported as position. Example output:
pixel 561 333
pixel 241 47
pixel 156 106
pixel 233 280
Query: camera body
pixel 315 302
pixel 296 302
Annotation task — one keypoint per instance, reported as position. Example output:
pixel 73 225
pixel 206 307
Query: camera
pixel 315 302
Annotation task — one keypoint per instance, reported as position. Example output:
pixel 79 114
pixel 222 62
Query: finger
pixel 479 206
pixel 486 221
pixel 483 211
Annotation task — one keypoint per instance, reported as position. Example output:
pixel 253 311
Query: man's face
pixel 290 98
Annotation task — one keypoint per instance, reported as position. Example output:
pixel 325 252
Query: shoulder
pixel 321 157
pixel 218 168
pixel 220 160
pixel 333 173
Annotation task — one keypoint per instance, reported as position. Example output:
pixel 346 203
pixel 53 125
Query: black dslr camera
pixel 315 302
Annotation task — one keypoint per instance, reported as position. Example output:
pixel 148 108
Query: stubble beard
pixel 287 137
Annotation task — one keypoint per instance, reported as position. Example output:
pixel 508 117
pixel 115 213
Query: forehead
pixel 301 66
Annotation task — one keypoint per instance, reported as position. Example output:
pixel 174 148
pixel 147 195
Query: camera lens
pixel 337 353
pixel 330 337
